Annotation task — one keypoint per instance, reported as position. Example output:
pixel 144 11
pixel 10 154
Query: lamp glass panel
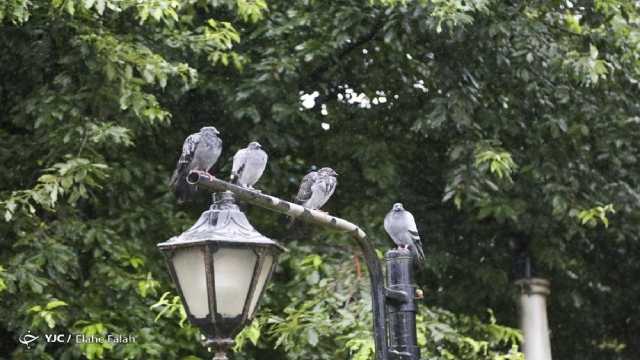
pixel 233 271
pixel 261 283
pixel 188 264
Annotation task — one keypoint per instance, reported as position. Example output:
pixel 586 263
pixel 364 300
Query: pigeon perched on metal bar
pixel 200 152
pixel 316 188
pixel 248 165
pixel 401 227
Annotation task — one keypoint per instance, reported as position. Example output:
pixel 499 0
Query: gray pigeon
pixel 316 188
pixel 401 227
pixel 248 165
pixel 200 151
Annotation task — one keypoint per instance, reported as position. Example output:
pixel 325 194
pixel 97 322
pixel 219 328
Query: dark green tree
pixel 496 124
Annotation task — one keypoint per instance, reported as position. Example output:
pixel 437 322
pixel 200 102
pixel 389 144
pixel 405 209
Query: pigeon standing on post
pixel 401 227
pixel 248 165
pixel 200 152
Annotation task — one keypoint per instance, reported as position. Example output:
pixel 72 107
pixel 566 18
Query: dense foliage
pixel 500 125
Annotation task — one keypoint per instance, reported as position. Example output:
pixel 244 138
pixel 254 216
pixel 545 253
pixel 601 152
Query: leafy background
pixel 500 125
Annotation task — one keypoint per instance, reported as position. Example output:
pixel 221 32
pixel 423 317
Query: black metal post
pixel 401 306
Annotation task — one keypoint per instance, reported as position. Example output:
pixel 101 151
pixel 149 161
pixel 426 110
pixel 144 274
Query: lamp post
pixel 221 267
pixel 400 294
pixel 401 306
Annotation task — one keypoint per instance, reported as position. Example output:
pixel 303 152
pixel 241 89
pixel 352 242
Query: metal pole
pixel 533 318
pixel 220 347
pixel 401 307
pixel 325 220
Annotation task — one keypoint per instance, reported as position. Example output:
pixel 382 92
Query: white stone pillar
pixel 533 318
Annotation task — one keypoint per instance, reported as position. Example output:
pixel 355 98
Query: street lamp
pixel 221 267
pixel 394 339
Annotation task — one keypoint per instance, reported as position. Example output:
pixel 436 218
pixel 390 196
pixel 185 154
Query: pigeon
pixel 401 227
pixel 316 188
pixel 248 165
pixel 200 152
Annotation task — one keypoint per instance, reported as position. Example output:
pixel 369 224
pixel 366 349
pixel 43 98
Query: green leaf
pixel 312 337
pixel 100 6
pixel 55 304
pixel 88 4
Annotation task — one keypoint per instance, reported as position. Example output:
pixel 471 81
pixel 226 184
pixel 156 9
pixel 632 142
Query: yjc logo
pixel 27 339
pixel 61 338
